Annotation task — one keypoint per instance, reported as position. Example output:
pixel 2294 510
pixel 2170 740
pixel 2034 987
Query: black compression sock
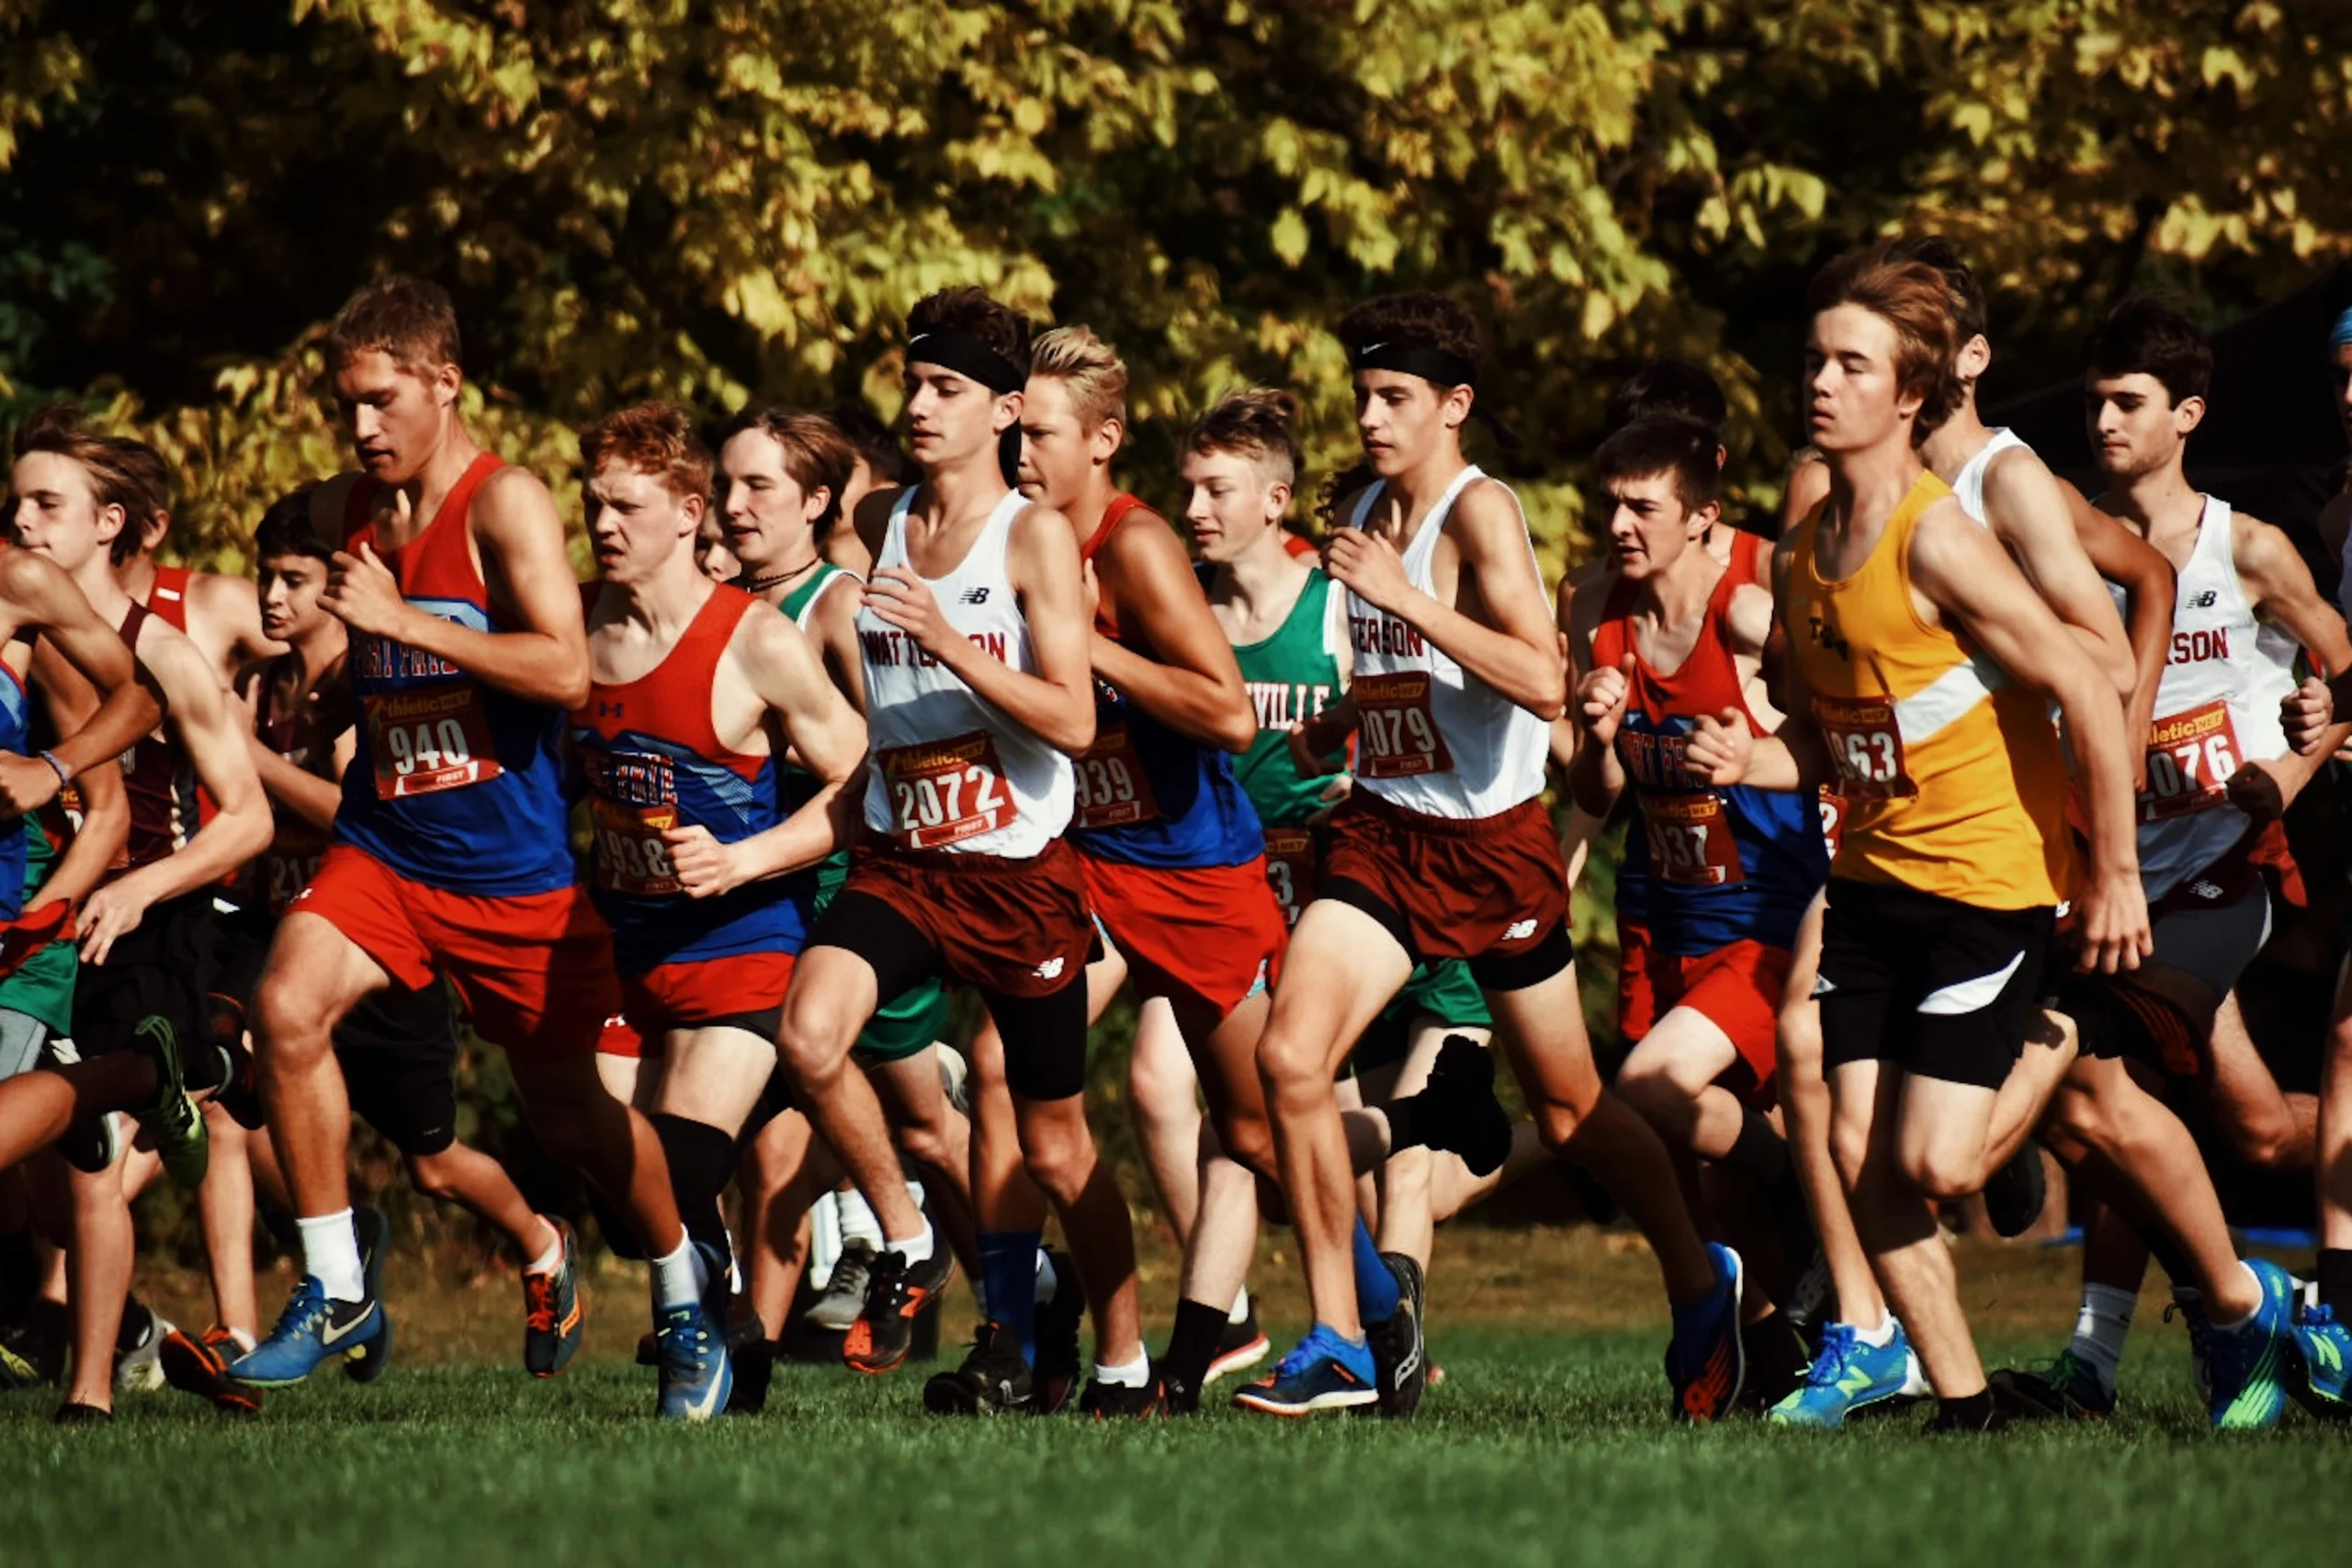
pixel 1761 1155
pixel 2336 1281
pixel 701 1159
pixel 1405 1119
pixel 1192 1343
pixel 1971 1413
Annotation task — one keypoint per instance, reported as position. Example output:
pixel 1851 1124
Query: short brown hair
pixel 1096 376
pixel 656 439
pixel 1665 444
pixel 1915 299
pixel 815 454
pixel 1419 320
pixel 121 473
pixel 407 318
pixel 975 313
pixel 1260 424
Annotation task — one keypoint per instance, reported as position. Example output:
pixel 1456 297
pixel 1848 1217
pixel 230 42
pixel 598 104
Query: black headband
pixel 967 356
pixel 1439 368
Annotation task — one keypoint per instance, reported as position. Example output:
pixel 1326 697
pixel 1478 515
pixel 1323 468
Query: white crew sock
pixel 1049 1279
pixel 2237 1323
pixel 550 1260
pixel 2100 1328
pixel 331 1255
pixel 1240 1307
pixel 679 1279
pixel 916 1248
pixel 857 1221
pixel 1134 1374
pixel 1877 1339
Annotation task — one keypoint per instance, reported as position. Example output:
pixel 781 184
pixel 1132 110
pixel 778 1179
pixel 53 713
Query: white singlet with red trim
pixel 2217 709
pixel 1430 737
pixel 950 771
pixel 1968 485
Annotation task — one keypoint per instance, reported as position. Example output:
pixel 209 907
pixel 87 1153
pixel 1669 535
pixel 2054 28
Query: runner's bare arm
pixel 1794 757
pixel 834 627
pixel 780 665
pixel 2280 586
pixel 1971 580
pixel 2030 512
pixel 1517 650
pixel 1565 733
pixel 1057 704
pixel 301 791
pixel 1749 620
pixel 104 827
pixel 239 827
pixel 1596 703
pixel 1808 488
pixel 42 600
pixel 228 611
pixel 1194 687
pixel 524 565
pixel 2140 568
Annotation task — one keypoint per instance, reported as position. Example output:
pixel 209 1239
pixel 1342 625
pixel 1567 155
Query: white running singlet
pixel 2217 709
pixel 1968 485
pixel 950 771
pixel 1432 738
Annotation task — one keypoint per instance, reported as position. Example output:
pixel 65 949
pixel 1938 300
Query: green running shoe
pixel 173 1124
pixel 2065 1389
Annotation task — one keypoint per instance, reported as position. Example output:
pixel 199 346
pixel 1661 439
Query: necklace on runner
pixel 762 584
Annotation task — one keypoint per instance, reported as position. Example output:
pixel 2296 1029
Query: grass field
pixel 1546 1443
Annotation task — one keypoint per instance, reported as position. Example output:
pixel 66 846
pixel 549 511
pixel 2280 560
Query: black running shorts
pixel 1937 988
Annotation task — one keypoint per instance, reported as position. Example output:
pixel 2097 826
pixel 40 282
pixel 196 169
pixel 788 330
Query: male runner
pixel 1444 851
pixel 146 932
pixel 451 853
pixel 973 637
pixel 2219 772
pixel 1169 844
pixel 703 873
pixel 398 1049
pixel 1679 637
pixel 1955 850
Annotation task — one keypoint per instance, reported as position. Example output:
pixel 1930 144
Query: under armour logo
pixel 1519 931
pixel 2205 600
pixel 1051 969
pixel 975 596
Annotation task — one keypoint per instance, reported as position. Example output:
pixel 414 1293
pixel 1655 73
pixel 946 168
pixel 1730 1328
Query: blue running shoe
pixel 1705 1360
pixel 309 1331
pixel 697 1377
pixel 2324 1357
pixel 2247 1365
pixel 1849 1374
pixel 1325 1372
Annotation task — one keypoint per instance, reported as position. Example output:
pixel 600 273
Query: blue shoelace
pixel 1838 1343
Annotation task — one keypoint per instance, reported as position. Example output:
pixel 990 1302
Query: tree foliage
pixel 718 201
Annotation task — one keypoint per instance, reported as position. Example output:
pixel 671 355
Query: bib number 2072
pixel 946 791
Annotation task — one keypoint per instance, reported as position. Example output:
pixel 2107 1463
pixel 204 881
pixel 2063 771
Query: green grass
pixel 1540 1447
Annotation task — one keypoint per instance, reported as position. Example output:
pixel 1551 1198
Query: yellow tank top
pixel 1954 780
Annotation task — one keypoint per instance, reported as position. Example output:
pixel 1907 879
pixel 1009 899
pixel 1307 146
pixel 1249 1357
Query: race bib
pixel 1399 733
pixel 430 741
pixel 945 791
pixel 1112 789
pixel 1691 840
pixel 1290 870
pixel 1833 819
pixel 1866 746
pixel 631 859
pixel 2190 759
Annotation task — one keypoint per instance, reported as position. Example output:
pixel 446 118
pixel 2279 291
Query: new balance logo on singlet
pixel 975 596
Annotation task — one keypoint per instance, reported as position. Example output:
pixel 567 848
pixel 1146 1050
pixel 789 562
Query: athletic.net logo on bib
pixel 946 791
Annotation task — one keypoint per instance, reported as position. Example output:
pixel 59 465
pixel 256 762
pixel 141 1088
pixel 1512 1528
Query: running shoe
pixel 752 1355
pixel 1399 1352
pixel 1325 1372
pixel 198 1364
pixel 844 1295
pixel 553 1319
pixel 1705 1360
pixel 2065 1389
pixel 995 1379
pixel 16 1373
pixel 1242 1346
pixel 2324 1362
pixel 1848 1375
pixel 75 1415
pixel 1059 1368
pixel 173 1124
pixel 2247 1365
pixel 696 1374
pixel 1779 1361
pixel 138 1348
pixel 897 1292
pixel 1120 1401
pixel 1951 1422
pixel 369 1224
pixel 1459 1111
pixel 312 1329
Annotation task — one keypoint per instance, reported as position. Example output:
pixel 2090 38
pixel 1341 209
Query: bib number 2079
pixel 1398 728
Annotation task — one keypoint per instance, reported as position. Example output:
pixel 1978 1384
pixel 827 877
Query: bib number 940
pixel 423 742
pixel 945 791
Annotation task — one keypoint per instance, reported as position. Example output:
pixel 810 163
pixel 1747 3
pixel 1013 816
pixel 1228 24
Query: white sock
pixel 1134 1374
pixel 1240 1306
pixel 857 1221
pixel 916 1248
pixel 547 1262
pixel 679 1279
pixel 2238 1323
pixel 1049 1279
pixel 331 1255
pixel 246 1341
pixel 1877 1339
pixel 2100 1328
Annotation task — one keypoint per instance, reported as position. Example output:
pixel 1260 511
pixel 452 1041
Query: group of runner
pixel 1953 819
